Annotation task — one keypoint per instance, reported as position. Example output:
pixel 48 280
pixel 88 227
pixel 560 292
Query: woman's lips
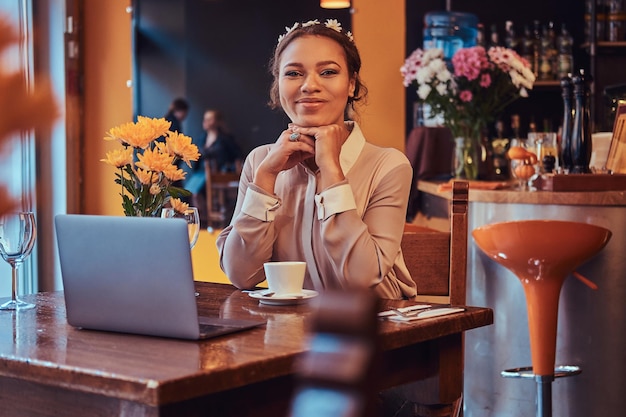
pixel 310 103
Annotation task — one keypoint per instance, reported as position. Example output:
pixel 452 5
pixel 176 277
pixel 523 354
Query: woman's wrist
pixel 329 177
pixel 265 180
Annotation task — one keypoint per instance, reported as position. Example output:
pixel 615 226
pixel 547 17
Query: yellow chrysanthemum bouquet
pixel 148 166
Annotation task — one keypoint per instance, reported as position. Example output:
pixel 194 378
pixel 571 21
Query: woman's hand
pixel 285 154
pixel 328 142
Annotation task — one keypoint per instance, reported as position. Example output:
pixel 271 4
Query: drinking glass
pixel 523 167
pixel 17 238
pixel 192 218
pixel 523 171
pixel 545 144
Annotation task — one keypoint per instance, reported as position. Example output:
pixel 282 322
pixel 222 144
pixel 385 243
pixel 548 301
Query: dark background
pixel 215 54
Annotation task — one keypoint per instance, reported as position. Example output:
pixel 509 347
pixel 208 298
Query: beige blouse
pixel 349 234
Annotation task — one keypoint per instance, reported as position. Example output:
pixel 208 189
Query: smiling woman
pixel 342 199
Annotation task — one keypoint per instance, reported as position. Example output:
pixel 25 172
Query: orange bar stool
pixel 541 253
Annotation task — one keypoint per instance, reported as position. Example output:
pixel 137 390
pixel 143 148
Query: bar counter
pixel 592 324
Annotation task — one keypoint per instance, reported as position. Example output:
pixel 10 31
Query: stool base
pixel 544 384
pixel 527 371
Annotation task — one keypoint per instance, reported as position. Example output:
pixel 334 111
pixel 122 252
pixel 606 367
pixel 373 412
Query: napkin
pixel 404 310
pixel 436 312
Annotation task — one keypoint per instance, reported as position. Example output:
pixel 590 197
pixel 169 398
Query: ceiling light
pixel 335 4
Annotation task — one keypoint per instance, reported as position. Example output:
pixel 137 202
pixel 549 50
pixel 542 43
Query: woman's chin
pixel 312 121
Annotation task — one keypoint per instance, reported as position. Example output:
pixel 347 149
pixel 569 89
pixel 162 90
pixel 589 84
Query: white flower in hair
pixel 311 23
pixel 330 23
pixel 333 24
pixel 288 30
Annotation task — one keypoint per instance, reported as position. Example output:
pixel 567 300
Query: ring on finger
pixel 294 136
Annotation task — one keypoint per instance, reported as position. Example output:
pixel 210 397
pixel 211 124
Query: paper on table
pixel 404 310
pixel 427 314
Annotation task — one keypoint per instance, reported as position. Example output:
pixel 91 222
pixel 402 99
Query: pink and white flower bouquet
pixel 473 89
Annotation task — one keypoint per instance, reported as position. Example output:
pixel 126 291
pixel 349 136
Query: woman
pixel 221 151
pixel 177 113
pixel 220 148
pixel 320 193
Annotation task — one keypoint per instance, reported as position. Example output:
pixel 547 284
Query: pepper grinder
pixel 581 129
pixel 566 135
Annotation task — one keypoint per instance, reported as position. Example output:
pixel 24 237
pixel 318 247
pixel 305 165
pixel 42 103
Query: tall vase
pixel 465 161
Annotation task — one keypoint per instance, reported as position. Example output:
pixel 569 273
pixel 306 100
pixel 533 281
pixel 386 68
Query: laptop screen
pixel 128 274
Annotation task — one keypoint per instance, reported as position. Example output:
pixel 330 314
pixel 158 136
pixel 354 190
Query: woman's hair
pixel 179 104
pixel 332 30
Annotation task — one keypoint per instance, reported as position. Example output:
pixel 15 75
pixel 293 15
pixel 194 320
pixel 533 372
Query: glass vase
pixel 465 160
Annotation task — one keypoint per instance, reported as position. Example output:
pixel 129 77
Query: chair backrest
pixel 217 186
pixel 437 260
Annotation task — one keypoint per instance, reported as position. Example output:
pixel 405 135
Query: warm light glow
pixel 335 4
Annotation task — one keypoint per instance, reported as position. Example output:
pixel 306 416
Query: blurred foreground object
pixel 337 376
pixel 24 107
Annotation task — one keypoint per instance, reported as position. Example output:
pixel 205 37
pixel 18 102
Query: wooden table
pixel 48 368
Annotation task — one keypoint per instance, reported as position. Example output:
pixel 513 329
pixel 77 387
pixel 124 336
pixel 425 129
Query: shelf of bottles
pixel 609 17
pixel 548 51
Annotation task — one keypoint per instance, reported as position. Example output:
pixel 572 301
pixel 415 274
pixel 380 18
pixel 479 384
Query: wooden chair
pixel 219 186
pixel 437 261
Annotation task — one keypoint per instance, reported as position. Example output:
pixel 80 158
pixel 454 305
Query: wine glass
pixel 17 238
pixel 192 218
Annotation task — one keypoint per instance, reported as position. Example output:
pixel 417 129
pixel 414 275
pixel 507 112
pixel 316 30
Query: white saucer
pixel 281 300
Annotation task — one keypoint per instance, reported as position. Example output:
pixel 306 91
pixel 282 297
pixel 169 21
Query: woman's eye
pixel 292 74
pixel 329 72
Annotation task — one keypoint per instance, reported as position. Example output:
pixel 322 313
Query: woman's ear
pixel 352 86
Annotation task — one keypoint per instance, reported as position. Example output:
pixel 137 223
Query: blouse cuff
pixel 260 206
pixel 334 200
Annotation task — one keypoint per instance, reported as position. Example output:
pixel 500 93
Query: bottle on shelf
pixel 494 39
pixel 547 125
pixel 510 39
pixel 554 52
pixel 565 44
pixel 499 145
pixel 515 126
pixel 480 34
pixel 536 47
pixel 532 125
pixel 616 27
pixel 526 46
pixel 547 54
pixel 600 21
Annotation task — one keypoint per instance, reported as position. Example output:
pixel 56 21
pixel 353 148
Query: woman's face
pixel 208 121
pixel 314 83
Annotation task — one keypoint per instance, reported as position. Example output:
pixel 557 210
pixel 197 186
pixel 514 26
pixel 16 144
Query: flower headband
pixel 330 23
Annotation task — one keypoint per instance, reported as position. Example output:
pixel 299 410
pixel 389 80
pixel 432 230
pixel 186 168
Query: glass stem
pixel 14 281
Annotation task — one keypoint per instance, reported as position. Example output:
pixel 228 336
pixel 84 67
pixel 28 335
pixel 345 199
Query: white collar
pixel 352 147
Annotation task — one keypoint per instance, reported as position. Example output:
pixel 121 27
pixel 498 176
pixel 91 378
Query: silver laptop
pixel 133 275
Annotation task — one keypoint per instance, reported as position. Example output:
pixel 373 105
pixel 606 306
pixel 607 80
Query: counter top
pixel 579 198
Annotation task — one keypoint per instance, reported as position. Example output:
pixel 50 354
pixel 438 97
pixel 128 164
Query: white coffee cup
pixel 285 277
